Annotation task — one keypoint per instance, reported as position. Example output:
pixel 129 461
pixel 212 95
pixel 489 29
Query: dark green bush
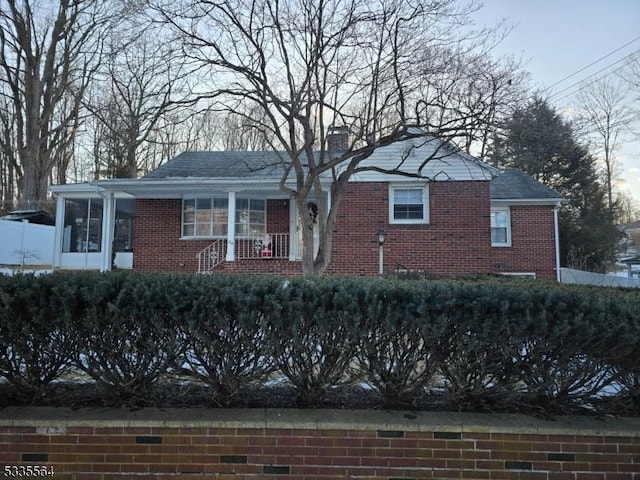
pixel 127 337
pixel 311 329
pixel 222 322
pixel 399 350
pixel 35 343
pixel 488 344
pixel 478 344
pixel 558 347
pixel 619 348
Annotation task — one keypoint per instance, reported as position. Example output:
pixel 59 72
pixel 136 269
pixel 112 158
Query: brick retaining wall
pixel 315 444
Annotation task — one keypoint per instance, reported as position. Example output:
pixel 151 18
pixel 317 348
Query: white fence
pixel 569 275
pixel 24 244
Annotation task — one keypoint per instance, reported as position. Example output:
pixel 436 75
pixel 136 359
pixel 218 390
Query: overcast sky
pixel 557 38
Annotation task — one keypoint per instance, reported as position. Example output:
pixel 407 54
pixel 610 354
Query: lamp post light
pixel 382 235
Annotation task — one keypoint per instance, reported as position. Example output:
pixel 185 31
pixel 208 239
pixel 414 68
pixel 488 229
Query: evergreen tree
pixel 538 141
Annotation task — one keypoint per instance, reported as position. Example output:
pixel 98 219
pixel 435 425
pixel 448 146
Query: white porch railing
pixel 271 245
pixel 212 256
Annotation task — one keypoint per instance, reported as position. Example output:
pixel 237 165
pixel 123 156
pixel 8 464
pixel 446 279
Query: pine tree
pixel 538 141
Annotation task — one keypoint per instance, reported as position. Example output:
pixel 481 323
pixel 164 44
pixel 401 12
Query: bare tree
pixel 471 94
pixel 310 65
pixel 48 54
pixel 605 114
pixel 631 78
pixel 139 83
pixel 8 154
pixel 628 209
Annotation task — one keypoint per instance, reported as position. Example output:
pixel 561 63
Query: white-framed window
pixel 408 203
pixel 205 217
pixel 500 227
pixel 82 225
pixel 208 217
pixel 251 217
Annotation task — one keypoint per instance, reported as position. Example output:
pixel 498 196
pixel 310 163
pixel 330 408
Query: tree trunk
pixel 33 186
pixel 306 224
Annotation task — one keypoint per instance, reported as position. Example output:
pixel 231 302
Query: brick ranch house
pixel 468 217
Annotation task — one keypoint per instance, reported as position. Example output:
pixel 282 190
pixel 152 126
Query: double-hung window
pixel 500 227
pixel 205 217
pixel 250 217
pixel 208 217
pixel 408 204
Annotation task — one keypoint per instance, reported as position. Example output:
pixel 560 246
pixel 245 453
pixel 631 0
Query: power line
pixel 619 123
pixel 628 59
pixel 592 63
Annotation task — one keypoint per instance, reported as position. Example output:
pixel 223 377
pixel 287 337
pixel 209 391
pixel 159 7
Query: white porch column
pixel 57 242
pixel 231 227
pixel 108 230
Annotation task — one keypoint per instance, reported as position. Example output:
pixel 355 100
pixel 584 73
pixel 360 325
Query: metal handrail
pixel 264 246
pixel 212 256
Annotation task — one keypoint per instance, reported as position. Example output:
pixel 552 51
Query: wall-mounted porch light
pixel 382 235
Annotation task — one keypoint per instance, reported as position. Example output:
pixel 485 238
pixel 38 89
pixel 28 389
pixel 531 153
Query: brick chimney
pixel 338 139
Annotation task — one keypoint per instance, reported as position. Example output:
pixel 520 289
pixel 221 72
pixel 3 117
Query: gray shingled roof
pixel 508 185
pixel 517 185
pixel 219 165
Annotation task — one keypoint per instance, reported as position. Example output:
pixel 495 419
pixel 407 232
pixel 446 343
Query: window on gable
pixel 408 204
pixel 500 227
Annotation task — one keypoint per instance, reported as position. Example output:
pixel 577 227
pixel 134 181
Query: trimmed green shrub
pixel 35 343
pixel 478 347
pixel 222 322
pixel 399 350
pixel 311 326
pixel 475 345
pixel 127 337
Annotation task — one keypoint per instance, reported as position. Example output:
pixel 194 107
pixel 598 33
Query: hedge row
pixel 471 344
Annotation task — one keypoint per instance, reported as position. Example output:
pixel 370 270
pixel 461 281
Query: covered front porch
pixel 241 225
pixel 197 230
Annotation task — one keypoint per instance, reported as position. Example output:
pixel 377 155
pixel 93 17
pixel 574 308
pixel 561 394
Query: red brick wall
pixel 532 243
pixel 455 241
pixel 157 245
pixel 156 238
pixel 345 445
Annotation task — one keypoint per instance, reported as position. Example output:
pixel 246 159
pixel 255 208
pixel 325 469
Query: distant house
pixel 39 217
pixel 630 238
pixel 224 212
pixel 630 248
